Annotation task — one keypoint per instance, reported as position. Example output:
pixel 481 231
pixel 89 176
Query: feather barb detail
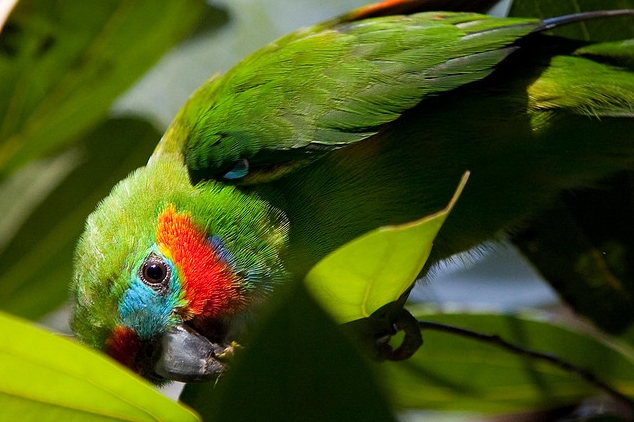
pixel 211 288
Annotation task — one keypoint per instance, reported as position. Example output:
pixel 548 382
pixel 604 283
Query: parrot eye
pixel 155 273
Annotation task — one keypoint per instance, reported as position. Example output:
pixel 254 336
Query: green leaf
pixel 36 262
pixel 456 373
pixel 376 268
pixel 63 63
pixel 50 378
pixel 297 366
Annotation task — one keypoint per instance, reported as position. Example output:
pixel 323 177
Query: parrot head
pixel 167 272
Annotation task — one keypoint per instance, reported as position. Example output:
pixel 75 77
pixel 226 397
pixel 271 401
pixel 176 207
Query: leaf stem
pixel 496 340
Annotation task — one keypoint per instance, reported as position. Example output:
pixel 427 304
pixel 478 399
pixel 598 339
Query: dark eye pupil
pixel 154 272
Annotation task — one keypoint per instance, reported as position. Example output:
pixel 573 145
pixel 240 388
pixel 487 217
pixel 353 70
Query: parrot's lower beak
pixel 187 356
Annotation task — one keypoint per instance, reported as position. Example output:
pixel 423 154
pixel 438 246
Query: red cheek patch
pixel 123 345
pixel 211 288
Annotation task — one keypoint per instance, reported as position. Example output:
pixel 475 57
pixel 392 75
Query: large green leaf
pixel 50 378
pixel 62 63
pixel 36 262
pixel 456 373
pixel 296 366
pixel 376 268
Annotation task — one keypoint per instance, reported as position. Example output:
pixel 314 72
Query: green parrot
pixel 363 121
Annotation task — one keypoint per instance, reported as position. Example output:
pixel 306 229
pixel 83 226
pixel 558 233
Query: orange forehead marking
pixel 376 9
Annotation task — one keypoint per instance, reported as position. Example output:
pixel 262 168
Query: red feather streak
pixel 122 345
pixel 211 288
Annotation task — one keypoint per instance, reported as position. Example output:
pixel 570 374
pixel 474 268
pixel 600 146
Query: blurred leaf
pixel 297 366
pixel 22 192
pixel 49 378
pixel 37 262
pixel 62 64
pixel 596 30
pixel 456 373
pixel 377 268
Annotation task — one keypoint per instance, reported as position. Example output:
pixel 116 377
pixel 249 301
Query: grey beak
pixel 187 356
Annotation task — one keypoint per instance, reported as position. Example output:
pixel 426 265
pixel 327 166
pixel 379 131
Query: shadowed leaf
pixel 297 366
pixel 456 373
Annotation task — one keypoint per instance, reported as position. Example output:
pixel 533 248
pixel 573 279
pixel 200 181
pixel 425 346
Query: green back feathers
pixel 321 88
pixel 585 85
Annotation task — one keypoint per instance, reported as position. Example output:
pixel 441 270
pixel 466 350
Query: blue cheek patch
pixel 149 312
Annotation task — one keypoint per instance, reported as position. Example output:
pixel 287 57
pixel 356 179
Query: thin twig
pixel 496 340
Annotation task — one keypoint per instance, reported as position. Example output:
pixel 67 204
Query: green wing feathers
pixel 335 84
pixel 325 87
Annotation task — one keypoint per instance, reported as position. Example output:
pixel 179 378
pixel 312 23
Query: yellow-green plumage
pixel 335 130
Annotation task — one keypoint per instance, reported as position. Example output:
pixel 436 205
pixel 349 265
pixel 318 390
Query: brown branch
pixel 496 340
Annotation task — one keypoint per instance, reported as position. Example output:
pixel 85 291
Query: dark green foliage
pixel 296 366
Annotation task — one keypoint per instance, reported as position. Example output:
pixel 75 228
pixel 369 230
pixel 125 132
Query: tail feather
pixel 579 17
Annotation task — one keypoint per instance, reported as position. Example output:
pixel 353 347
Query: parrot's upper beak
pixel 187 356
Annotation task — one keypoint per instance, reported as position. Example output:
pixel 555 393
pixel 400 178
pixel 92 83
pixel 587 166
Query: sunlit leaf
pixel 376 268
pixel 49 378
pixel 455 373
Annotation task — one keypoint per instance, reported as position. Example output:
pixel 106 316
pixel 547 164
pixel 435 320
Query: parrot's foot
pixel 375 332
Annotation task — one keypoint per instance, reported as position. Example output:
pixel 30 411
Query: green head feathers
pixel 154 231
